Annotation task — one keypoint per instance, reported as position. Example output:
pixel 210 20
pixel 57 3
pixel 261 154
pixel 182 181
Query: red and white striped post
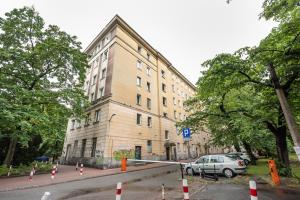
pixel 185 189
pixel 253 191
pixel 53 172
pixel 56 167
pixel 81 169
pixel 31 175
pixel 119 191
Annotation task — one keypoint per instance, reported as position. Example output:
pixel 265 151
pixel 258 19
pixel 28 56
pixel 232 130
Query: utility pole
pixel 291 123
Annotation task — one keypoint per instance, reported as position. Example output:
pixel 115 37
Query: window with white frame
pixel 138 119
pixel 97 115
pixel 105 55
pixel 163 74
pixel 148 71
pixel 163 87
pixel 148 87
pixel 166 135
pixel 139 81
pixel 138 99
pixel 149 121
pixel 72 124
pixel 164 101
pixel 149 103
pixel 103 74
pixel 101 92
pixel 139 64
pixel 149 146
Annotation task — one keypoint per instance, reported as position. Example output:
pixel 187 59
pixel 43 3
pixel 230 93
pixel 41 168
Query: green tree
pixel 41 76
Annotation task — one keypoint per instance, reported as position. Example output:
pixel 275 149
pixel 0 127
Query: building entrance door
pixel 138 152
pixel 168 153
pixel 175 154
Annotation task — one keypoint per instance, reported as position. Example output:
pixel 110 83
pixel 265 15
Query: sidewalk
pixel 65 173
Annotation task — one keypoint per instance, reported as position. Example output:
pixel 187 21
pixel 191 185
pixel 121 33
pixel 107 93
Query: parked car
pixel 42 158
pixel 219 164
pixel 242 155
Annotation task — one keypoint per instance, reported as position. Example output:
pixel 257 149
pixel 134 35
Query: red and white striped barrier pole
pixel 53 172
pixel 81 169
pixel 46 196
pixel 185 189
pixel 31 174
pixel 56 167
pixel 119 191
pixel 253 191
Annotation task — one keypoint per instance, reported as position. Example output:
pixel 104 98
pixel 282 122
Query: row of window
pixel 83 147
pixel 77 123
pixel 139 120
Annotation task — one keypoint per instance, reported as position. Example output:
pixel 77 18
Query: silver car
pixel 219 164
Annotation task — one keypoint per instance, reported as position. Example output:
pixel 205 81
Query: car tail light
pixel 240 163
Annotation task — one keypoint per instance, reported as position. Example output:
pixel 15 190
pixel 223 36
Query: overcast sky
pixel 186 32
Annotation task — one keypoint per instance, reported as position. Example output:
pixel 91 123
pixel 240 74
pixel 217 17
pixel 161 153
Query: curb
pixel 103 175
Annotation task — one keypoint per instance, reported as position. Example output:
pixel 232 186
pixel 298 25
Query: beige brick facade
pixel 137 97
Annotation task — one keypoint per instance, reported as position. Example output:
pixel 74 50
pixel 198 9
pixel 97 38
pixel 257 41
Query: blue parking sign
pixel 186 133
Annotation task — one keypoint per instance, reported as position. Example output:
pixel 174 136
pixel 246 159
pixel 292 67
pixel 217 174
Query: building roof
pixel 117 20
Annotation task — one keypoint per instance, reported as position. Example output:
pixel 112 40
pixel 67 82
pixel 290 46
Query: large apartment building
pixel 136 99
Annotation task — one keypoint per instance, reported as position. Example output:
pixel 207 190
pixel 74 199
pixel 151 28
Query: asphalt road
pixel 76 188
pixel 146 185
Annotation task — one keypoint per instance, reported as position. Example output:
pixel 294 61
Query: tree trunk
pixel 247 146
pixel 10 152
pixel 237 146
pixel 282 149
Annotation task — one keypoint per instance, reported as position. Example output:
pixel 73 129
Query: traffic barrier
pixel 185 189
pixel 253 191
pixel 76 167
pixel 123 164
pixel 56 167
pixel 9 171
pixel 163 191
pixel 119 191
pixel 81 169
pixel 53 172
pixel 274 172
pixel 46 196
pixel 31 175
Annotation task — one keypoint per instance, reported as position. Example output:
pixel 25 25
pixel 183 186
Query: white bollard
pixel 185 189
pixel 119 191
pixel 76 167
pixel 46 196
pixel 163 191
pixel 31 175
pixel 253 191
pixel 9 171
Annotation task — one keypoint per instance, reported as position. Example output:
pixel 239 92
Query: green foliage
pixel 41 77
pixel 24 170
pixel 235 97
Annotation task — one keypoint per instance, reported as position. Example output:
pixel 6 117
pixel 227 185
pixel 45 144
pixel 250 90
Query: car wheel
pixel 246 162
pixel 228 173
pixel 190 171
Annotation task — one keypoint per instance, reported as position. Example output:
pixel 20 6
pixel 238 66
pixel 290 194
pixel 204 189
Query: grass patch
pixel 262 168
